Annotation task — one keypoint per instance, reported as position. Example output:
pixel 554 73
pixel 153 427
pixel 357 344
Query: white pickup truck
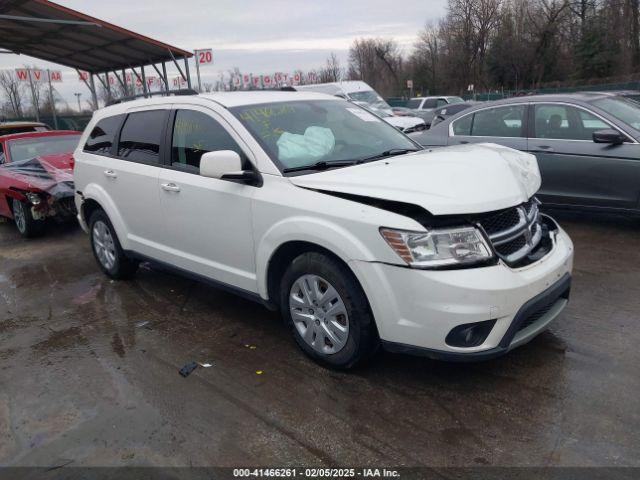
pixel 314 206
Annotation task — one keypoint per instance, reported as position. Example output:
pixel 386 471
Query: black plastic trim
pixel 201 278
pixel 560 289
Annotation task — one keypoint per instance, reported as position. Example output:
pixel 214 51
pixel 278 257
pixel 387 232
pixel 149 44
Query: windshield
pixel 453 100
pixel 303 133
pixel 28 148
pixel 370 97
pixel 627 111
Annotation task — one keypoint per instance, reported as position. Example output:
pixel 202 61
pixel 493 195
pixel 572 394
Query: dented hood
pixel 453 180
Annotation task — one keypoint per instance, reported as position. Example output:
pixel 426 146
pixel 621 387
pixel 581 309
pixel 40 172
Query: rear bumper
pixel 519 332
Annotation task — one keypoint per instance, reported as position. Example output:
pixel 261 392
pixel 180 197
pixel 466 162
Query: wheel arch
pixel 95 197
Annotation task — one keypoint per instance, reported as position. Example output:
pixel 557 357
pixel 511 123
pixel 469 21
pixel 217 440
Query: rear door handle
pixel 110 174
pixel 170 187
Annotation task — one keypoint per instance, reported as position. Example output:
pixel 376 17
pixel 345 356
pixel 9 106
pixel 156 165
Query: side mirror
pixel 609 135
pixel 227 165
pixel 219 163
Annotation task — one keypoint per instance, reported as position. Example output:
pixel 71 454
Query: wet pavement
pixel 89 374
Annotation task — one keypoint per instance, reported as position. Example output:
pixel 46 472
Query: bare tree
pixel 332 71
pixel 378 62
pixel 13 90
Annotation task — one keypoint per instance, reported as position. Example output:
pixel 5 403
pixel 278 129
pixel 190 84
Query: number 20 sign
pixel 204 57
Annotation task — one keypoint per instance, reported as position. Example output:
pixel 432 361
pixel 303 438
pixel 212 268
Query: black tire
pixel 362 341
pixel 123 267
pixel 28 226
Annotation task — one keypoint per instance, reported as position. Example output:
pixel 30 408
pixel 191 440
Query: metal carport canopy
pixel 51 32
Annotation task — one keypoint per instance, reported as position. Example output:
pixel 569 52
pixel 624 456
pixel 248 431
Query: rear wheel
pixel 107 250
pixel 327 311
pixel 25 223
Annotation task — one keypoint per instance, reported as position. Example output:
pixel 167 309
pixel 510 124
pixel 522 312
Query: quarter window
pixel 463 126
pixel 195 133
pixel 565 122
pixel 2 160
pixel 103 135
pixel 141 136
pixel 414 103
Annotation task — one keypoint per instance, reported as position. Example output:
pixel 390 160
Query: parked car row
pixel 586 144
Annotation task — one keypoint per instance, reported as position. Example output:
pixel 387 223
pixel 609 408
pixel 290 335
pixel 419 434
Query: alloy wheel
pixel 103 245
pixel 19 216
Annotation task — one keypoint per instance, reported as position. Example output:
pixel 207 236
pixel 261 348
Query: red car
pixel 36 178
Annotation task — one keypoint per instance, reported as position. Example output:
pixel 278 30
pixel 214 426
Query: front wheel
pixel 327 311
pixel 25 223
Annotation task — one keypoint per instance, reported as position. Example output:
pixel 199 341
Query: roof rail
pixel 184 91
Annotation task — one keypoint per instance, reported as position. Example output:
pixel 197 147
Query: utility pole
pixel 52 100
pixel 34 98
pixel 78 98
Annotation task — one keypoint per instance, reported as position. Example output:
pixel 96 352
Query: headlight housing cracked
pixel 439 247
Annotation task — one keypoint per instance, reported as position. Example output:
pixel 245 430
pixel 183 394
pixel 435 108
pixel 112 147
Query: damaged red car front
pixel 36 178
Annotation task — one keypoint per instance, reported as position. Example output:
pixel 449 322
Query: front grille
pixel 514 232
pixel 501 221
pixel 512 246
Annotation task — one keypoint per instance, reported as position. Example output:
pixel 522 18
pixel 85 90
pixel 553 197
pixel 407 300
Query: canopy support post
pixel 145 88
pixel 186 68
pixel 94 94
pixel 166 78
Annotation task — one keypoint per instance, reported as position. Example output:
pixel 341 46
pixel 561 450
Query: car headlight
pixel 34 198
pixel 438 248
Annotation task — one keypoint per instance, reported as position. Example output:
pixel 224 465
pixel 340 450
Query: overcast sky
pixel 256 36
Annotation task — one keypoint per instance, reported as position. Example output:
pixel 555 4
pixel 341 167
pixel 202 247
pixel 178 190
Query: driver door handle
pixel 110 174
pixel 170 187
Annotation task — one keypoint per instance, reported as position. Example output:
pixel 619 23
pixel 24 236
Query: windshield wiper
pixel 389 153
pixel 321 165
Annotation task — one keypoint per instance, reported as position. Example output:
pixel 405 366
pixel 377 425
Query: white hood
pixel 446 181
pixel 404 122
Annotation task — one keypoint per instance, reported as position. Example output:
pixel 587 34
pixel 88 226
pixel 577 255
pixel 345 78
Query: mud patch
pixel 61 340
pixel 117 345
pixel 8 353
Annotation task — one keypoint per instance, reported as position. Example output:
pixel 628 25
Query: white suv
pixel 314 206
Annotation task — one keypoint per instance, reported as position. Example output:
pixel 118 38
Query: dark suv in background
pixel 586 144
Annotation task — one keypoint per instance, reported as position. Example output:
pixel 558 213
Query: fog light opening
pixel 470 334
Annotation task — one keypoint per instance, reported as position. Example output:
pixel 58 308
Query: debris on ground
pixel 188 368
pixel 250 347
pixel 206 365
pixel 259 372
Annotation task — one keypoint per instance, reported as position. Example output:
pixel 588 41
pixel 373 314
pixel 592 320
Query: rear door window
pixel 142 135
pixel 499 122
pixel 430 103
pixel 195 133
pixel 414 103
pixel 103 135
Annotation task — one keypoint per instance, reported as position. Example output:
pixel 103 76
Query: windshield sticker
pixel 260 118
pixel 363 115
